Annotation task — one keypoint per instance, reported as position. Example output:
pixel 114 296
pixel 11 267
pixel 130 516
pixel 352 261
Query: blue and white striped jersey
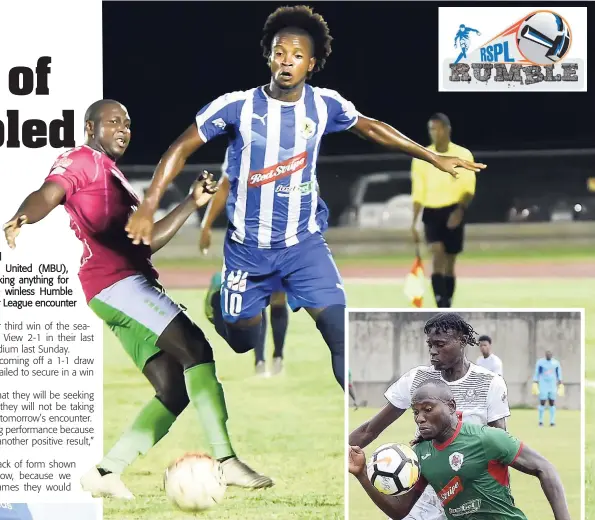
pixel 271 161
pixel 321 211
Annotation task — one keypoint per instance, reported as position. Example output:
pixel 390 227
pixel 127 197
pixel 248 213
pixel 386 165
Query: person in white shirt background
pixel 488 359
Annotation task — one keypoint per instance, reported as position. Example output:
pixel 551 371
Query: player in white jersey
pixel 480 395
pixel 274 230
pixel 488 359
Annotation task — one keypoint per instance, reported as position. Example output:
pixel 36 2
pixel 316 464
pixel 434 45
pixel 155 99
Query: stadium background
pixel 383 346
pixel 165 60
pixel 164 77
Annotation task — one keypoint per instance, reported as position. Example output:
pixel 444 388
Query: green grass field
pixel 561 445
pixel 291 427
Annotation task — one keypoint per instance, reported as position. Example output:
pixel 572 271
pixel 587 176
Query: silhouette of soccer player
pixel 463 40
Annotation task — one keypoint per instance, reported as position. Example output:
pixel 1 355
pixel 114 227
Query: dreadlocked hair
pixel 447 321
pixel 300 17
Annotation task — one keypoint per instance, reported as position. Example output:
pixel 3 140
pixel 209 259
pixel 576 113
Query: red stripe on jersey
pixel 518 453
pixel 499 472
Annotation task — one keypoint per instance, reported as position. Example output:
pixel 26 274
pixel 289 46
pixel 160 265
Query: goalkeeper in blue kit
pixel 14 512
pixel 547 384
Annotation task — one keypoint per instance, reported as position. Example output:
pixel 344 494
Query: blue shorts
pixel 277 286
pixel 305 271
pixel 547 392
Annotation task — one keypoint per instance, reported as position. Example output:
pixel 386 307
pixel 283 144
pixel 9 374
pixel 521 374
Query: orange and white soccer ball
pixel 195 482
pixel 393 469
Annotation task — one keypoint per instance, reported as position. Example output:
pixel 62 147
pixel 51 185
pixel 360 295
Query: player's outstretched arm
pixel 370 430
pixel 214 209
pixel 395 507
pixel 385 135
pixel 34 208
pixel 532 463
pixel 140 224
pixel 201 192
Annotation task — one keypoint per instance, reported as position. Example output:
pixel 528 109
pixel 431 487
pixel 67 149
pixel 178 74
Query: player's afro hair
pixel 447 321
pixel 300 17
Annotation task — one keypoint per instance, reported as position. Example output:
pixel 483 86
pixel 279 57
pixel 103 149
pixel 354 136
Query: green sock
pixel 149 427
pixel 206 394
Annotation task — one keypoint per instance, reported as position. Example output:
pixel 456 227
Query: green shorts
pixel 137 311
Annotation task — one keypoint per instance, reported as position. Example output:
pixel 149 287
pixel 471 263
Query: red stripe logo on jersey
pixel 451 490
pixel 278 171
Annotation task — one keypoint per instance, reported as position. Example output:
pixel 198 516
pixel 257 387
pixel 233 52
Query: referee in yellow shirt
pixel 443 200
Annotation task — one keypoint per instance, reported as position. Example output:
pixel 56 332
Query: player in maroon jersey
pixel 120 285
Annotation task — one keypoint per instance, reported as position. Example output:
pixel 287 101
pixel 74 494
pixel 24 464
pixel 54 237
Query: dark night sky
pixel 165 60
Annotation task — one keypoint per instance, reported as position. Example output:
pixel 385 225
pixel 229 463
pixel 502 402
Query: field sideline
pixel 282 425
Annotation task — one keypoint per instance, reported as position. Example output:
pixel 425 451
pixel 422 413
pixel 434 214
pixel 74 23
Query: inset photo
pixel 464 414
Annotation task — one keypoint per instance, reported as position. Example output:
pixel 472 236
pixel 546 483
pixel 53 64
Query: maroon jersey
pixel 99 201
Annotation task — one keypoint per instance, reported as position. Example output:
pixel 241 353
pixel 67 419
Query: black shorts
pixel 435 229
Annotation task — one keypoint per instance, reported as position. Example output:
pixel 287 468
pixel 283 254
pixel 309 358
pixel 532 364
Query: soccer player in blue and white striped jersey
pixel 278 302
pixel 274 229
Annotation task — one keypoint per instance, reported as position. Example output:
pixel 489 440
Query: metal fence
pixel 551 184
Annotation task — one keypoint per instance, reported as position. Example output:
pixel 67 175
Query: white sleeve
pixel 498 400
pixel 399 393
pixel 499 368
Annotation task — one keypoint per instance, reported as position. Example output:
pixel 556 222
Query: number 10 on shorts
pixel 232 297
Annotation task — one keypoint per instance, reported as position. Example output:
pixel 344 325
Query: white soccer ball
pixel 544 38
pixel 195 482
pixel 393 469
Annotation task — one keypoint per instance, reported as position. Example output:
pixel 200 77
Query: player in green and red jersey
pixel 466 464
